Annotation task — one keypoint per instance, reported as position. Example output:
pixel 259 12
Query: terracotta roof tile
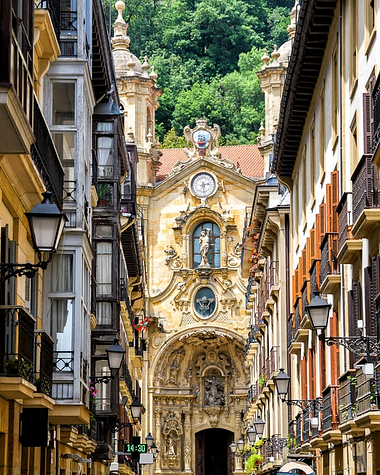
pixel 246 157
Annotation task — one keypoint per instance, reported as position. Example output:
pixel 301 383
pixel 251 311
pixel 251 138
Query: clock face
pixel 203 184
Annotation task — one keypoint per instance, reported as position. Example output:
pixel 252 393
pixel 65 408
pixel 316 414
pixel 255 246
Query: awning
pixel 289 466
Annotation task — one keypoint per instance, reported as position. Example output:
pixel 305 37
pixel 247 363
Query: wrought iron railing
pixel 69 191
pixel 298 429
pixel 305 426
pixel 315 276
pixel 365 189
pixel 297 314
pixel 253 392
pixel 54 8
pixel 45 156
pixel 344 220
pixel 305 297
pixel 347 397
pixel 365 393
pixel 291 329
pixel 330 410
pixel 44 362
pixel 17 342
pixel 329 253
pixel 127 378
pixel 63 361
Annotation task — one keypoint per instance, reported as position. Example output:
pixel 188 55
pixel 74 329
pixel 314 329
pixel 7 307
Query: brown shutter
pixel 305 266
pixel 322 364
pixel 368 122
pixel 322 222
pixel 334 200
pixel 317 236
pixel 328 208
pixel 313 245
pixel 308 256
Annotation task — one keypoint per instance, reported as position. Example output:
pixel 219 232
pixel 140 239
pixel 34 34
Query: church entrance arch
pixel 213 455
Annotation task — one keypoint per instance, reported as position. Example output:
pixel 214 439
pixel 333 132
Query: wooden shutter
pixel 308 255
pixel 313 245
pixel 368 122
pixel 328 208
pixel 322 222
pixel 334 200
pixel 305 266
pixel 317 236
pixel 322 364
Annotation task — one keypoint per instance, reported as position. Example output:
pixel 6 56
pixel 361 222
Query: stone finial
pixel 265 59
pixel 145 67
pixel 120 39
pixel 131 64
pixel 149 136
pixel 153 75
pixel 262 128
pixel 275 55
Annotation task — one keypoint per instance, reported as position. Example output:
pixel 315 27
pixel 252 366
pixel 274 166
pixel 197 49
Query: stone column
pixel 158 441
pixel 187 452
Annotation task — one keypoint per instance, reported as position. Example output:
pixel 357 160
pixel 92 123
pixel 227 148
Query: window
pixel 62 318
pixel 353 45
pixel 312 163
pixel 211 249
pixel 104 268
pixel 304 187
pixel 104 150
pixel 63 103
pixel 104 313
pixel 204 302
pixel 65 145
pixel 370 22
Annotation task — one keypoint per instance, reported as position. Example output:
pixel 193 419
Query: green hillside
pixel 205 54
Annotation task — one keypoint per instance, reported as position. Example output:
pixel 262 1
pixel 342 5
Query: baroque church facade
pixel 194 380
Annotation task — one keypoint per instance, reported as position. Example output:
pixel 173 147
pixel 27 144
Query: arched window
pixel 213 233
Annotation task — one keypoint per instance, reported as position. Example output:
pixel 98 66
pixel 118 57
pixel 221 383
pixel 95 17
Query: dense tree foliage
pixel 206 53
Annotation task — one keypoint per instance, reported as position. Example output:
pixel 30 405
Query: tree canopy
pixel 206 53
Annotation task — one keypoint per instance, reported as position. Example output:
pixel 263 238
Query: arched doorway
pixel 213 456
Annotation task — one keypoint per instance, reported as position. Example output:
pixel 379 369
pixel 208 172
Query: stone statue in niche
pixel 171 445
pixel 214 391
pixel 204 245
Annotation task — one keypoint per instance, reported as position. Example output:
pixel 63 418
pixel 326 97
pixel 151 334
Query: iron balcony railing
pixel 365 189
pixel 298 430
pixel 315 275
pixel 54 9
pixel 306 426
pixel 45 157
pixel 297 314
pixel 344 220
pixel 126 376
pixel 305 297
pixel 330 408
pixel 347 397
pixel 17 342
pixel 329 253
pixel 44 362
pixel 291 329
pixel 253 393
pixel 365 393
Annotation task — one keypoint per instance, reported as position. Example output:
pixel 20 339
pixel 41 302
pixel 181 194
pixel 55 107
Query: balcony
pixel 376 122
pixel 54 8
pixel 367 413
pixel 301 326
pixel 330 270
pixel 315 276
pixel 348 247
pixel 16 77
pixel 16 353
pixel 45 157
pixel 347 404
pixel 365 199
pixel 330 414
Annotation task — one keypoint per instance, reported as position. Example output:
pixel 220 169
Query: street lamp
pixel 282 381
pixel 115 355
pixel 240 445
pixel 233 447
pixel 251 434
pixel 259 426
pixel 318 310
pixel 46 224
pixel 364 346
pixel 136 408
pixel 149 439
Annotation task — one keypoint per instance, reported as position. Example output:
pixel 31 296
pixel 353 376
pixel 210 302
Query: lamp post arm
pixel 13 269
pixel 358 345
pixel 304 404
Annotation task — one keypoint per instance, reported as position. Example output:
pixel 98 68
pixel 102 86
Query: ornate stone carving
pixel 172 259
pixel 213 413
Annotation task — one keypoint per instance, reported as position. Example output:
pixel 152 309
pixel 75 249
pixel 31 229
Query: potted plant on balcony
pixel 262 380
pixel 255 459
pixel 104 191
pixel 11 366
